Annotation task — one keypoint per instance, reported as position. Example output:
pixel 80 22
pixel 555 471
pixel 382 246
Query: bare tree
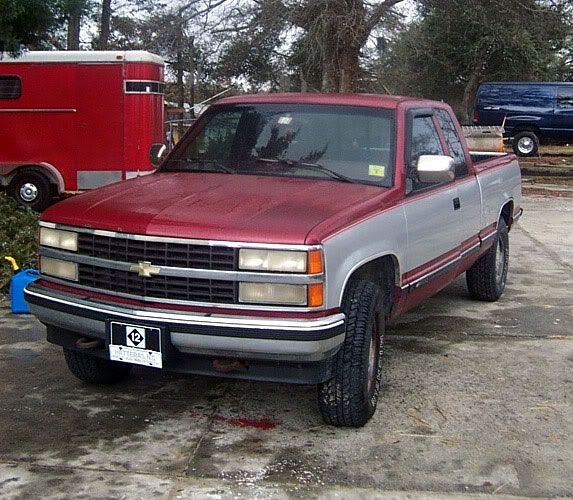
pixel 336 32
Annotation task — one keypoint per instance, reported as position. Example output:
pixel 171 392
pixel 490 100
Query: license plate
pixel 137 344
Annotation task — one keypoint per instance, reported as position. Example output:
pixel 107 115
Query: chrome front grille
pixel 159 287
pixel 217 258
pixel 159 253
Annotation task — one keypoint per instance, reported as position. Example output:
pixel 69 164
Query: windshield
pixel 341 143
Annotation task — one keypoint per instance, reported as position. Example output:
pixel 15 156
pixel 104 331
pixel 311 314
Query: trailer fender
pixel 8 172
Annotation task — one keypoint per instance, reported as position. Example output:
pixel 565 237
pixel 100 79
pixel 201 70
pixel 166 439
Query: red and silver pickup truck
pixel 275 242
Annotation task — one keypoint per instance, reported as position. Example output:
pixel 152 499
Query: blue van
pixel 533 112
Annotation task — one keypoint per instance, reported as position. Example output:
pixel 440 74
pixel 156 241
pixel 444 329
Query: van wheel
pixel 526 143
pixel 350 397
pixel 31 189
pixel 486 278
pixel 93 370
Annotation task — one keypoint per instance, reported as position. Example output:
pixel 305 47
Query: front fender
pixel 345 252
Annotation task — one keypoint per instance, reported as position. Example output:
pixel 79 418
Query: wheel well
pixel 507 214
pixel 38 169
pixel 526 128
pixel 385 272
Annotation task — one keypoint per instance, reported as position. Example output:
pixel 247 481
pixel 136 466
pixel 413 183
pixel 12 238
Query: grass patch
pixel 17 238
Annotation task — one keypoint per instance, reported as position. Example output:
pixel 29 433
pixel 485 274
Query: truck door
pixel 563 116
pixel 433 238
pixel 468 212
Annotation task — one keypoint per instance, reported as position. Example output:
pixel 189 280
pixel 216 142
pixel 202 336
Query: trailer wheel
pixel 349 398
pixel 31 189
pixel 526 143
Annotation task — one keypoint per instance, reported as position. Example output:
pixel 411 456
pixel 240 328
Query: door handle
pixel 457 204
pixel 492 108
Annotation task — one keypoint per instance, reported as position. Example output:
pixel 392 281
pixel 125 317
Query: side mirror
pixel 435 168
pixel 156 154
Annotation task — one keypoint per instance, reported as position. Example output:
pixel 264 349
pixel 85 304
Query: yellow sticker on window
pixel 377 170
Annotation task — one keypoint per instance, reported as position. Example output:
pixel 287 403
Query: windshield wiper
pixel 317 167
pixel 212 165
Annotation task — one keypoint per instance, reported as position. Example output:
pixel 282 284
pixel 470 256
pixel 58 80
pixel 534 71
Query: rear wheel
pixel 486 278
pixel 94 370
pixel 350 397
pixel 526 143
pixel 31 189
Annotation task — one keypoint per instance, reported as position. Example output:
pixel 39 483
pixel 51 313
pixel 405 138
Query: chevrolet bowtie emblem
pixel 144 269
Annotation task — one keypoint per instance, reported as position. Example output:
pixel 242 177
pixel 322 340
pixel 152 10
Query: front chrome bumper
pixel 205 334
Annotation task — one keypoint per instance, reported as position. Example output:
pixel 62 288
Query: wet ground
pixel 476 399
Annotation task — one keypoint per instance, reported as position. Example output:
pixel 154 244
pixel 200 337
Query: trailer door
pixel 100 125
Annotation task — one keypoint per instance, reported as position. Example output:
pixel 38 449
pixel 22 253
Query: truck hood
pixel 215 206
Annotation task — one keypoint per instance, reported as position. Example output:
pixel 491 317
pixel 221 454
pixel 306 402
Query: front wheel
pixel 350 397
pixel 486 278
pixel 93 370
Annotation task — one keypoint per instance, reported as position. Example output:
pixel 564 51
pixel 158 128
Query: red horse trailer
pixel 71 121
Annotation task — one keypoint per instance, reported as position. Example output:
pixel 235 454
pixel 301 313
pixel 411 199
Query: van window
pixel 565 97
pixel 10 87
pixel 517 96
pixel 455 147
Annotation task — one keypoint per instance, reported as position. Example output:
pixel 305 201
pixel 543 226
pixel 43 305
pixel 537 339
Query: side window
pixel 456 150
pixel 10 87
pixel 424 141
pixel 565 97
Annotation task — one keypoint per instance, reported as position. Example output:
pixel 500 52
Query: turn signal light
pixel 315 262
pixel 315 294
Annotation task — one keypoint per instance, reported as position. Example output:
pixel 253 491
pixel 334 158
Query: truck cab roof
pixel 368 100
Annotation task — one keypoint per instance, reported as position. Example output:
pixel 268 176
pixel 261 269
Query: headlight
pixel 284 261
pixel 270 293
pixel 59 268
pixel 56 238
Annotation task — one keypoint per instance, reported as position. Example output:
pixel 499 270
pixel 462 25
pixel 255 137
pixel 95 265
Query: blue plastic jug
pixel 17 285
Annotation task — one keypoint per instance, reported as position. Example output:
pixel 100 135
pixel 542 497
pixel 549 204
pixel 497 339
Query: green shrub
pixel 17 238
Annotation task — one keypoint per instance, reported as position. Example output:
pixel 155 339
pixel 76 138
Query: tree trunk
pixel 74 24
pixel 349 65
pixel 180 80
pixel 472 85
pixel 329 77
pixel 192 75
pixel 105 25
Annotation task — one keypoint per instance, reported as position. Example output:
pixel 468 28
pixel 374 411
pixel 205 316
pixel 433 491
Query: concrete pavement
pixel 476 399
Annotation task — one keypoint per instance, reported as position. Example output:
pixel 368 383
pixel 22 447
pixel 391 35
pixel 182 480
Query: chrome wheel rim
pixel 499 261
pixel 28 192
pixel 525 145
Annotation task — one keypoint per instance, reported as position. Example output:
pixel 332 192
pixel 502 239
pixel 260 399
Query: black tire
pixel 486 278
pixel 350 397
pixel 94 370
pixel 31 189
pixel 526 143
